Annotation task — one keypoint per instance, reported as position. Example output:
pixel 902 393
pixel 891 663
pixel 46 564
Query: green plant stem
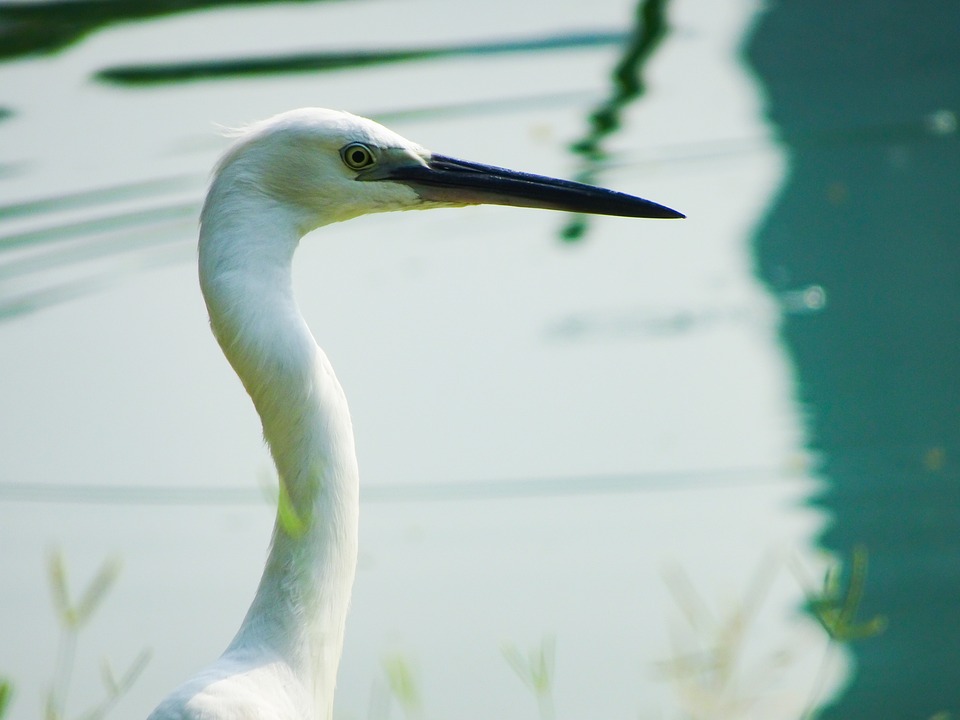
pixel 545 705
pixel 6 692
pixel 66 655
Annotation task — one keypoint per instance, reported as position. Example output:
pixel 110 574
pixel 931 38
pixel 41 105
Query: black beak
pixel 448 180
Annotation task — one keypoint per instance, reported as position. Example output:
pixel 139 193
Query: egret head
pixel 310 160
pixel 329 166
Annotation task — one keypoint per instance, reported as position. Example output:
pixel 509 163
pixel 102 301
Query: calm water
pixel 869 212
pixel 614 435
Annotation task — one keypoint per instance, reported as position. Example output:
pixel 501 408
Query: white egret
pixel 283 178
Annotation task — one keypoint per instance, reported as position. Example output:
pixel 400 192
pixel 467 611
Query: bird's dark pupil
pixel 359 156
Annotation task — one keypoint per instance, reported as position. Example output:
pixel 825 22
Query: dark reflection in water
pixel 33 28
pixel 650 27
pixel 329 61
pixel 875 221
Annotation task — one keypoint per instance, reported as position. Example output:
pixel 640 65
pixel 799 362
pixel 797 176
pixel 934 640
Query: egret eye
pixel 357 156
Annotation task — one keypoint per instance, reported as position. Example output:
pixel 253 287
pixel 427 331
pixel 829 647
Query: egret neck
pixel 247 243
pixel 284 177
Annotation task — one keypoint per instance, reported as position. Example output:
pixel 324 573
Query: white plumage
pixel 282 178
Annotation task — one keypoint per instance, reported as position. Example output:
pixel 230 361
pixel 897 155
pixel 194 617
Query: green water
pixel 865 98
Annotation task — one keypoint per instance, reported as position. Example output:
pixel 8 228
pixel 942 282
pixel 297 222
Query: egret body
pixel 283 178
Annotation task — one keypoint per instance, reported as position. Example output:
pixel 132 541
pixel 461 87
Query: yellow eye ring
pixel 357 156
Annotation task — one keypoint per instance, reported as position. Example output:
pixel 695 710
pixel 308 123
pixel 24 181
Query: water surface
pixel 552 416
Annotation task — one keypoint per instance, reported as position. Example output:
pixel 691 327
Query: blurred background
pixel 611 468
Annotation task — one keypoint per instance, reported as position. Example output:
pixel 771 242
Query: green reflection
pixel 650 27
pixel 329 61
